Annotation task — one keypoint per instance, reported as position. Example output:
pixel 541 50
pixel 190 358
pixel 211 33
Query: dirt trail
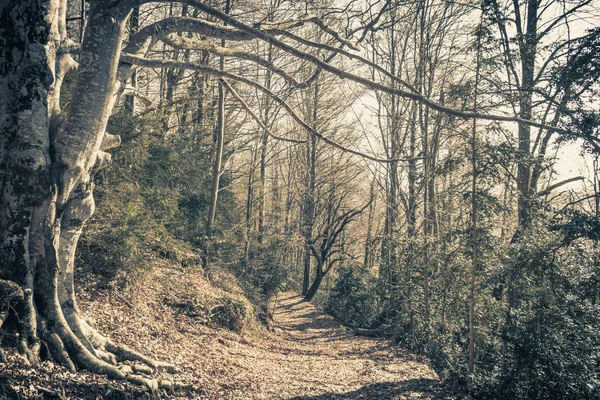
pixel 311 356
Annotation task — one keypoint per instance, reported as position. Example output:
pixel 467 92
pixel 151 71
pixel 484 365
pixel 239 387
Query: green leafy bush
pixel 352 298
pixel 550 343
pixel 152 203
pixel 263 269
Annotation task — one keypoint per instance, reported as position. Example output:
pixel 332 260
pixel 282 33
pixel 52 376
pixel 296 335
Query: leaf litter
pixel 306 355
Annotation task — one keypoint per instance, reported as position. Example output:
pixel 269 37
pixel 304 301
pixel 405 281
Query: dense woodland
pixel 398 163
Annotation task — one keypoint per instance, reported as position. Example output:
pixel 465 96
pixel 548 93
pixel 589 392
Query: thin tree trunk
pixel 367 261
pixel 249 206
pixel 309 205
pixel 388 248
pixel 528 50
pixel 263 155
pixel 216 170
pixel 411 217
pixel 134 24
pixel 423 122
pixel 475 260
pixel 288 194
pixel 276 199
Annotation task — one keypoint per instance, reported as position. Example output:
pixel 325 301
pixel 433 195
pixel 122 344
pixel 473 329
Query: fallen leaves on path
pixel 312 356
pixel 308 356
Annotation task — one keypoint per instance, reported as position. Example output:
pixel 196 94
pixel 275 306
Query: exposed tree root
pixel 72 342
pixel 371 332
pixel 118 352
pixel 47 182
pixel 58 351
pixel 105 356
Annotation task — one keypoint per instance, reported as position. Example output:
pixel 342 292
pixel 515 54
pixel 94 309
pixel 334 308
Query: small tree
pixel 325 247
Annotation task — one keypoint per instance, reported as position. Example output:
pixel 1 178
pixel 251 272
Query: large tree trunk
pixel 27 67
pixel 48 158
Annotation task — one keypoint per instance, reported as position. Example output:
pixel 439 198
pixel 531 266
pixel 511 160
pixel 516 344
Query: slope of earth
pixel 307 355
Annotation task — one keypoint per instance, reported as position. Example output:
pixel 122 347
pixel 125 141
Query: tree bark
pixel 48 159
pixel 368 258
pixel 474 221
pixel 314 287
pixel 276 198
pixel 309 202
pixel 134 25
pixel 263 155
pixel 527 50
pixel 219 140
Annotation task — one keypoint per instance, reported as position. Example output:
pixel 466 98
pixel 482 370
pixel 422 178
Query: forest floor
pixel 306 355
pixel 312 356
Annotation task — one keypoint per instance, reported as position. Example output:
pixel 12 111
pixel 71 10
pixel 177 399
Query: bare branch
pixel 153 63
pixel 284 26
pixel 269 38
pixel 370 26
pixel 550 188
pixel 339 50
pixel 211 47
pixel 185 24
pixel 563 16
pixel 253 115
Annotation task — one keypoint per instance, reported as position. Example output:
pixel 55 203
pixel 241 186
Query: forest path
pixel 312 356
pixel 309 356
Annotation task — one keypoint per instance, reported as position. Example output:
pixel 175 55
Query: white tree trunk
pixel 48 158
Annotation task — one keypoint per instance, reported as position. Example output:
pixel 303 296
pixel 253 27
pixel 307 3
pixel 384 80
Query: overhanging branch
pixel 269 38
pixel 284 26
pixel 154 63
pixel 211 47
pixel 550 188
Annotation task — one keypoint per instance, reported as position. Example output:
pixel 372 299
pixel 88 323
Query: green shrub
pixel 550 342
pixel 352 299
pixel 263 268
pixel 153 201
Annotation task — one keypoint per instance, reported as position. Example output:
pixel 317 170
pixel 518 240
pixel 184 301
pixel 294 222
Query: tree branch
pixel 269 38
pixel 254 116
pixel 153 63
pixel 561 17
pixel 301 21
pixel 339 50
pixel 550 188
pixel 211 47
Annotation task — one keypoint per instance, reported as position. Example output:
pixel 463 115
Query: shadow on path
pixel 411 388
pixel 312 356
